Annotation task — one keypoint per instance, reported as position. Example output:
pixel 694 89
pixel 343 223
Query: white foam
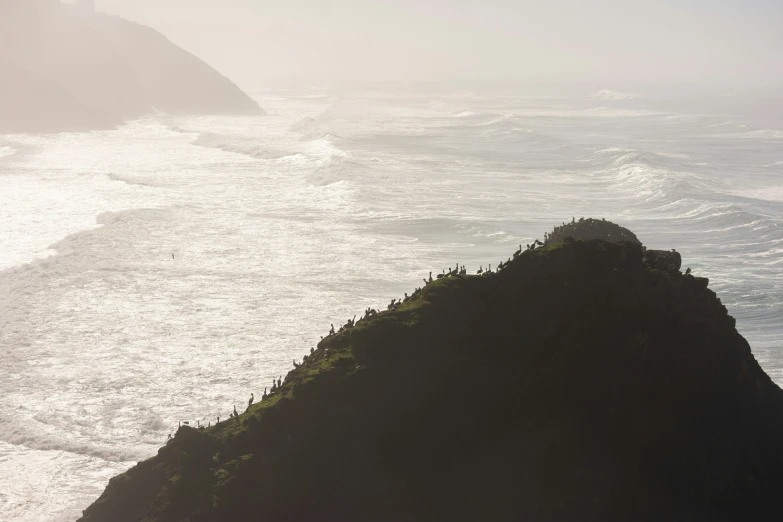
pixel 6 150
pixel 607 94
pixel 150 280
pixel 770 193
pixel 239 145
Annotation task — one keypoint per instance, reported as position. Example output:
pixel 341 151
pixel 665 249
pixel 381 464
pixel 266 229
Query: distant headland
pixel 67 67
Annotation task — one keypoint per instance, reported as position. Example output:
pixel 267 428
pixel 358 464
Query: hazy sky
pixel 619 43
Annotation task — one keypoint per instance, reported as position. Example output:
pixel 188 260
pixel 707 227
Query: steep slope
pixel 576 384
pixel 112 67
pixel 31 103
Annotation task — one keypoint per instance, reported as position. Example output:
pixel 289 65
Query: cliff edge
pixel 578 383
pixel 68 67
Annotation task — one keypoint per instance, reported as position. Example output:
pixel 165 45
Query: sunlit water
pixel 164 271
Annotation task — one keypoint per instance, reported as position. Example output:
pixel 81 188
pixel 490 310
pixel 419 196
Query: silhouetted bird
pixel 687 272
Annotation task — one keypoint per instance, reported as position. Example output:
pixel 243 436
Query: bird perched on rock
pixel 688 272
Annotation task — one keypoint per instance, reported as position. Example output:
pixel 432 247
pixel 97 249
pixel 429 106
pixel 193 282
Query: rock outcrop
pixel 67 67
pixel 663 259
pixel 590 229
pixel 577 384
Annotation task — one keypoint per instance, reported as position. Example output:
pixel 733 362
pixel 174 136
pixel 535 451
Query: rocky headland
pixel 68 67
pixel 582 382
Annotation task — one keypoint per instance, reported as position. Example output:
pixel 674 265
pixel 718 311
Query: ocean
pixel 161 272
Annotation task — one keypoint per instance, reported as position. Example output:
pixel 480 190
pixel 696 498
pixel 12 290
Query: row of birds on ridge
pixel 369 312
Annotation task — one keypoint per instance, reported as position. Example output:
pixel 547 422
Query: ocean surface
pixel 163 271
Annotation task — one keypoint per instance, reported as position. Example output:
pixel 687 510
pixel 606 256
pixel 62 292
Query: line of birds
pixel 371 312
pixel 276 385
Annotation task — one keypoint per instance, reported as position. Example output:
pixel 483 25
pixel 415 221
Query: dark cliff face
pixel 110 67
pixel 576 384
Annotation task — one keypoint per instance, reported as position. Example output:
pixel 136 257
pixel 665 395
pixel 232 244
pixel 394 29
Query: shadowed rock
pixel 663 259
pixel 590 228
pixel 577 384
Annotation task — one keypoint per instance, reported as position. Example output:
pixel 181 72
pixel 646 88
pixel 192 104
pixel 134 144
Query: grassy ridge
pixel 575 384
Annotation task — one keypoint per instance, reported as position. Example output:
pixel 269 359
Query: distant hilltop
pixel 68 67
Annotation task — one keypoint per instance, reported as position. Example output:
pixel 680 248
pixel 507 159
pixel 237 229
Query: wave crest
pixel 238 145
pixel 607 94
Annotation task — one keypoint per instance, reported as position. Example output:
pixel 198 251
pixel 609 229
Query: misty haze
pixel 391 261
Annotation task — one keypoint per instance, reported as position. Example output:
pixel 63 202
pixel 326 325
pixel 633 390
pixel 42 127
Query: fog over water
pixel 164 270
pixel 733 44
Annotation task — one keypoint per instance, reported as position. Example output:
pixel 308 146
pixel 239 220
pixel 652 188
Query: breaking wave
pixel 606 94
pixel 6 150
pixel 264 261
pixel 239 145
pixel 49 439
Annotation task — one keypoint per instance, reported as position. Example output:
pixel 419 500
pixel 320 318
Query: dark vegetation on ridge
pixel 577 384
pixel 590 229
